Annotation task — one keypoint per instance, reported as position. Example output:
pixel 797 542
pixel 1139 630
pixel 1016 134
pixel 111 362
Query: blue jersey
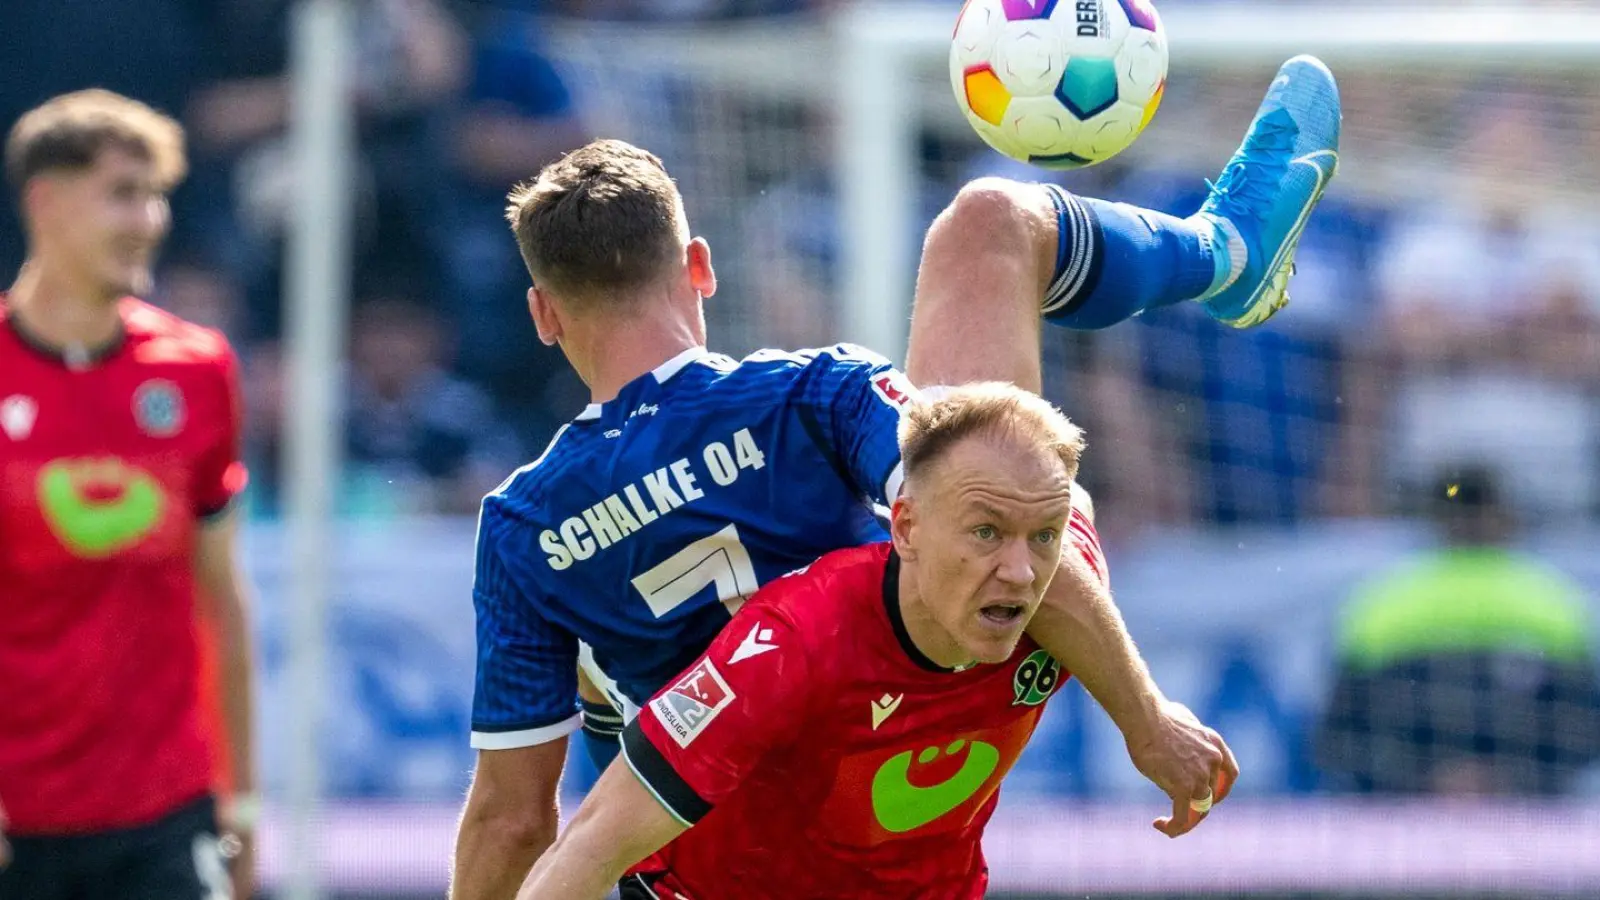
pixel 647 521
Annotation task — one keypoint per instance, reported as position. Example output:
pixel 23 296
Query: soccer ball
pixel 1059 83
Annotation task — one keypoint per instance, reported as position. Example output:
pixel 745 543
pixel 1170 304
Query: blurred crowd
pixel 1458 324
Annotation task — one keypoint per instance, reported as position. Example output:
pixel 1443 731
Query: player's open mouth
pixel 1001 613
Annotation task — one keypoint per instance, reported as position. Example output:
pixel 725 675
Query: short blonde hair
pixel 70 132
pixel 992 409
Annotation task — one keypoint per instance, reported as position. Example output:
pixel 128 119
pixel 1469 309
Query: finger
pixel 1177 823
pixel 1229 771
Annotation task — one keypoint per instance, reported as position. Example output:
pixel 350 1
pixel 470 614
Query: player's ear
pixel 902 521
pixel 701 276
pixel 545 318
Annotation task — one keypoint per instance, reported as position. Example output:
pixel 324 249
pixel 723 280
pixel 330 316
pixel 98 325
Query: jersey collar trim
pixel 676 364
pixel 663 373
pixel 76 357
pixel 891 605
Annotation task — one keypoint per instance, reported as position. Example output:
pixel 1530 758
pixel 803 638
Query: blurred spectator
pixel 1468 670
pixel 141 48
pixel 1489 334
pixel 418 439
pixel 411 59
pixel 516 115
pixel 200 293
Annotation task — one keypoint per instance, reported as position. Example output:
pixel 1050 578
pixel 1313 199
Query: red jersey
pixel 106 470
pixel 819 754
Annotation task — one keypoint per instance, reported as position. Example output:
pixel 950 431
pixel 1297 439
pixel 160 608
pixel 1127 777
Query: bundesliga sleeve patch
pixel 894 388
pixel 686 708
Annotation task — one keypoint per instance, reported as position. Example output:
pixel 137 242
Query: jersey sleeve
pixel 851 402
pixel 220 474
pixel 698 739
pixel 1086 541
pixel 526 689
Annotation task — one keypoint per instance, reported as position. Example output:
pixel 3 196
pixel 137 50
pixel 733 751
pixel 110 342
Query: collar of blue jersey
pixel 662 374
pixel 897 619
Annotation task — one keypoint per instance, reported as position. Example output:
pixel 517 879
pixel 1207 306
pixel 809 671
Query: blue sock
pixel 1115 261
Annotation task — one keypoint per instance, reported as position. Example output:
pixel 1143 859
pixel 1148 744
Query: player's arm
pixel 619 823
pixel 1080 625
pixel 524 709
pixel 221 583
pixel 691 747
pixel 221 587
pixel 509 820
pixel 850 406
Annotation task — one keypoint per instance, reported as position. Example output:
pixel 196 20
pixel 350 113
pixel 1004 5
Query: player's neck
pixel 630 351
pixel 61 311
pixel 924 631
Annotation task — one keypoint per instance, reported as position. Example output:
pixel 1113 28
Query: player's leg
pixel 177 858
pixel 1002 246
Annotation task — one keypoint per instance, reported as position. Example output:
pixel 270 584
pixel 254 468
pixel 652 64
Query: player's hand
pixel 238 819
pixel 1188 761
pixel 240 849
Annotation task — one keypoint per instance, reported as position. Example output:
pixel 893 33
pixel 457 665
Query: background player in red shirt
pixel 846 734
pixel 119 460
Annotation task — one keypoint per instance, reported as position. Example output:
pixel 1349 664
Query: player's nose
pixel 1015 563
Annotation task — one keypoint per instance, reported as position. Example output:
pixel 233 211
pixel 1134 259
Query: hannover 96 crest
pixel 158 408
pixel 1035 680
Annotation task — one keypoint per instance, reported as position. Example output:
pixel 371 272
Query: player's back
pixel 651 517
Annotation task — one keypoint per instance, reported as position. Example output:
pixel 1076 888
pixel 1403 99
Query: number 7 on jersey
pixel 719 559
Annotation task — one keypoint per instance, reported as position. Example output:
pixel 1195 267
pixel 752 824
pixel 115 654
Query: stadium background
pixel 1246 481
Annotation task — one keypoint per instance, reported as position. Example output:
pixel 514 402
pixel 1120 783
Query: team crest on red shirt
pixel 158 408
pixel 686 708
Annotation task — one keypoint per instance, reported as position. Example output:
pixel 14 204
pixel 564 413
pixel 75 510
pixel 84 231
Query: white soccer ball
pixel 1058 83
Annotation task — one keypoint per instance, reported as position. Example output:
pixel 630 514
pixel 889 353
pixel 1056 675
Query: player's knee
pixel 988 206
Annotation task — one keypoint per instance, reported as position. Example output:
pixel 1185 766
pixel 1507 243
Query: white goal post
pixel 879 44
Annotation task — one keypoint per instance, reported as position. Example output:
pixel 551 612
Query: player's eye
pixel 1046 537
pixel 986 532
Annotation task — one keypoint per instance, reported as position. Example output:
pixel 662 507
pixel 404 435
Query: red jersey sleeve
pixel 700 737
pixel 1086 541
pixel 220 474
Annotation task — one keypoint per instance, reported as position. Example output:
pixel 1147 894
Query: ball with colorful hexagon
pixel 1059 83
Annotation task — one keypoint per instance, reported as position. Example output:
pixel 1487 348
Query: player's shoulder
pixel 795 362
pixel 1084 537
pixel 829 593
pixel 159 337
pixel 519 497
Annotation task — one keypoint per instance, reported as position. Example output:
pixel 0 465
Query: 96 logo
pixel 1035 679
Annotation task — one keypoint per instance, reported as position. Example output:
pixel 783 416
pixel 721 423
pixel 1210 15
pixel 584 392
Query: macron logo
pixel 754 644
pixel 884 707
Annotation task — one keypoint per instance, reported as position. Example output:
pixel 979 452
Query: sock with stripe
pixel 1115 261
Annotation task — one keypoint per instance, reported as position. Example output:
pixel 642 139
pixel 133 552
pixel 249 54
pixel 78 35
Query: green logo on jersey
pixel 91 526
pixel 1035 679
pixel 902 806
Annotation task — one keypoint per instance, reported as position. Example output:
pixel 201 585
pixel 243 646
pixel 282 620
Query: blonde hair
pixel 70 132
pixel 991 409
